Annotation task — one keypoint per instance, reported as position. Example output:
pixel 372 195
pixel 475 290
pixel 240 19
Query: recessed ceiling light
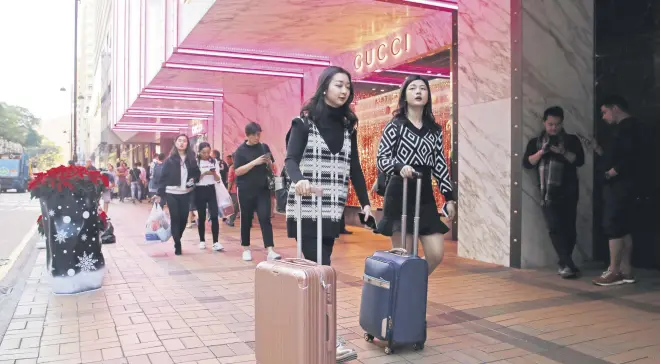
pixel 373 89
pixel 428 71
pixel 382 90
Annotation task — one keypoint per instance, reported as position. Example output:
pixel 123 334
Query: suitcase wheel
pixel 388 350
pixel 418 346
pixel 369 338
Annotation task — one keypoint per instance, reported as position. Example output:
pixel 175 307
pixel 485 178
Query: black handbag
pixel 108 236
pixel 270 178
pixel 282 192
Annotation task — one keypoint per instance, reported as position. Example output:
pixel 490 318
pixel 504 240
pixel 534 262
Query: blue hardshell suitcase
pixel 393 308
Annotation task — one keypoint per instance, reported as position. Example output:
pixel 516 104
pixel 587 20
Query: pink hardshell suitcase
pixel 295 310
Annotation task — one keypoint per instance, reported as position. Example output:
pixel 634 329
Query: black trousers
pixel 310 249
pixel 179 205
pixel 560 219
pixel 205 198
pixel 256 201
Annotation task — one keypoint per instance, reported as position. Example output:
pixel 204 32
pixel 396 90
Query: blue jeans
pixel 136 190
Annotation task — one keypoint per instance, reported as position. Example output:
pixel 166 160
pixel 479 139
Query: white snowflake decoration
pixel 87 262
pixel 83 237
pixel 51 213
pixel 86 214
pixel 61 236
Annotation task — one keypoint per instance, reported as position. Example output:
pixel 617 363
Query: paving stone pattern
pixel 158 308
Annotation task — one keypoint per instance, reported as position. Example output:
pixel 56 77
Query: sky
pixel 36 56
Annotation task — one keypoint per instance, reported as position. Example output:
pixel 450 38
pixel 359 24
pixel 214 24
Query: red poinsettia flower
pixel 72 178
pixel 40 225
pixel 104 219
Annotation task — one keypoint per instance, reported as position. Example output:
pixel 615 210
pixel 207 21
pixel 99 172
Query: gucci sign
pixel 379 55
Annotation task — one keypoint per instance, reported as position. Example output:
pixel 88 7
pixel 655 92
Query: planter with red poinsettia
pixel 70 222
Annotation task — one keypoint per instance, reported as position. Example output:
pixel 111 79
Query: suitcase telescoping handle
pixel 416 219
pixel 318 192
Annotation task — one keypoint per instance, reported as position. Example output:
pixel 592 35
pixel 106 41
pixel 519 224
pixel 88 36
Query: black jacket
pixel 171 173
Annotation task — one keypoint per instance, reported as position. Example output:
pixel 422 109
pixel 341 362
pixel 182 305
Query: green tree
pixel 47 156
pixel 18 124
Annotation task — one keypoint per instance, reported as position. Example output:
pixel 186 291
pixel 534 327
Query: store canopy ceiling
pixel 313 27
pixel 300 34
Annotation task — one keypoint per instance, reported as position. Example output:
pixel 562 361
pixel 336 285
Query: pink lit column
pixel 216 125
pixel 516 58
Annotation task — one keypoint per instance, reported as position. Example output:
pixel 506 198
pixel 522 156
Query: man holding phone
pixel 556 154
pixel 252 163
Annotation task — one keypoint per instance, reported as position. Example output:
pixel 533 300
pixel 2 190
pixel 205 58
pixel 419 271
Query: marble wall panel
pixel 484 51
pixel 484 117
pixel 484 182
pixel 557 70
pixel 238 110
pixel 276 107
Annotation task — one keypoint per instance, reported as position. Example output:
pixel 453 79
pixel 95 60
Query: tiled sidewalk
pixel 198 308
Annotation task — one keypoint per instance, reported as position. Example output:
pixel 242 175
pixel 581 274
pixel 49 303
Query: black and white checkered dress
pixel 325 169
pixel 403 144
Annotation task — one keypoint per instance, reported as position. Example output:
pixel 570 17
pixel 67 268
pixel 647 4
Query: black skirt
pixel 430 219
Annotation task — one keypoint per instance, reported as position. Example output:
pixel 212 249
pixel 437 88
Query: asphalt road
pixel 18 215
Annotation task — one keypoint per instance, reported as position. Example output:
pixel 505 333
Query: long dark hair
pixel 199 150
pixel 403 106
pixel 190 155
pixel 316 106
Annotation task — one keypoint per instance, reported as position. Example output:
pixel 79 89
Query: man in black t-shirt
pixel 252 163
pixel 619 162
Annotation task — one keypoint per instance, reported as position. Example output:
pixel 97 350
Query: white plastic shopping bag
pixel 157 227
pixel 225 204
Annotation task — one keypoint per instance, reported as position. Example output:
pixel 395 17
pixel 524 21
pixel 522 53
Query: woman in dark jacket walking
pixel 178 178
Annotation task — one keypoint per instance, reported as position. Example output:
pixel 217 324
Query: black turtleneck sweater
pixel 331 127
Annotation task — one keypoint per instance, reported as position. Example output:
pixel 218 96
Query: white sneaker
pixel 218 247
pixel 342 353
pixel 247 255
pixel 273 255
pixel 203 245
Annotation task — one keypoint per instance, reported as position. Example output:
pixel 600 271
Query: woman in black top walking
pixel 179 175
pixel 323 152
pixel 205 195
pixel 412 141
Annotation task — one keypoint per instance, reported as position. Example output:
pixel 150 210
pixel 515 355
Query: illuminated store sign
pixel 392 48
pixel 198 127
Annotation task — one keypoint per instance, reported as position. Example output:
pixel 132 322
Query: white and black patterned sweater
pixel 416 147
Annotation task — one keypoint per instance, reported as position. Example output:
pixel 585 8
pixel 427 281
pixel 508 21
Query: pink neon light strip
pixel 180 98
pixel 233 70
pixel 438 4
pixel 169 112
pixel 152 126
pixel 138 130
pixel 256 57
pixel 432 4
pixel 174 117
pixel 419 73
pixel 165 110
pixel 183 93
pixel 377 82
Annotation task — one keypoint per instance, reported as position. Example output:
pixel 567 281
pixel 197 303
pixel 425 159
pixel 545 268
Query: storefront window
pixel 374 107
